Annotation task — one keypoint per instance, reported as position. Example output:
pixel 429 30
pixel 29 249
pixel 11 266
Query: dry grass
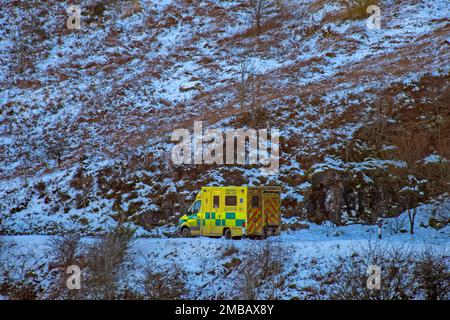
pixel 357 9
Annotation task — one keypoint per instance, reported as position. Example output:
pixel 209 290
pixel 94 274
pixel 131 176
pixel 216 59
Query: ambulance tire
pixel 264 233
pixel 185 232
pixel 227 234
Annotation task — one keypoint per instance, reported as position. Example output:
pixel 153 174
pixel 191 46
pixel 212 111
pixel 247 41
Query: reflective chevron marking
pixel 271 209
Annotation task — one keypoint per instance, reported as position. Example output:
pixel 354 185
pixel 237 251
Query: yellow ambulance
pixel 233 212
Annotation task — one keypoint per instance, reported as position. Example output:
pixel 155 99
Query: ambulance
pixel 233 212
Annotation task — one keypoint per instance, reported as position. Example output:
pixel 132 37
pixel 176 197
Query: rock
pixel 324 178
pixel 326 199
pixel 193 85
pixel 362 197
pixel 437 223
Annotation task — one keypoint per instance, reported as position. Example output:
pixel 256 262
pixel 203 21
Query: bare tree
pixel 409 197
pixel 11 116
pixel 246 76
pixel 258 10
pixel 28 32
pixel 57 143
pixel 411 148
pixel 443 149
pixel 381 120
pixel 249 92
pixel 395 225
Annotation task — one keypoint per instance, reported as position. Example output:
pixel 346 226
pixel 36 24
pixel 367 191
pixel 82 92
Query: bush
pixel 104 262
pixel 247 282
pixel 404 274
pixel 396 225
pixel 64 251
pixel 350 274
pixel 432 274
pixel 262 269
pixel 165 284
pixel 19 278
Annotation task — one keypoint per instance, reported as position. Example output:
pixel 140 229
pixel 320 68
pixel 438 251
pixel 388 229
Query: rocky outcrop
pixel 326 198
pixel 342 196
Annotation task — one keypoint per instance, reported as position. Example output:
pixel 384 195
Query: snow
pixel 199 256
pixel 434 158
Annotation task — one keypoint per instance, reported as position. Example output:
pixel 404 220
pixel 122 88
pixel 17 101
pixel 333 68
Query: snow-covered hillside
pixel 86 115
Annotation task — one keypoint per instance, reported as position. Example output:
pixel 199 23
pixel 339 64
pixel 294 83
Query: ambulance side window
pixel 255 202
pixel 196 207
pixel 230 201
pixel 216 200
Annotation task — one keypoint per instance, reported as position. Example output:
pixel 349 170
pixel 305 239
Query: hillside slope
pixel 86 115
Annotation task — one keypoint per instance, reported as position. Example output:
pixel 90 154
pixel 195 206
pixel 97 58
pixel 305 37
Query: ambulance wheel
pixel 227 234
pixel 185 232
pixel 264 233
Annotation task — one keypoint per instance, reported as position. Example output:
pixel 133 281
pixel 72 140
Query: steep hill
pixel 86 115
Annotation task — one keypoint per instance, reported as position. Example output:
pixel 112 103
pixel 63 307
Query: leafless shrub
pixel 262 270
pixel 405 274
pixel 4 254
pixel 104 263
pixel 19 273
pixel 64 251
pixel 248 284
pixel 165 283
pixel 433 274
pixel 396 225
pixel 350 274
pixel 28 32
pixel 443 149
